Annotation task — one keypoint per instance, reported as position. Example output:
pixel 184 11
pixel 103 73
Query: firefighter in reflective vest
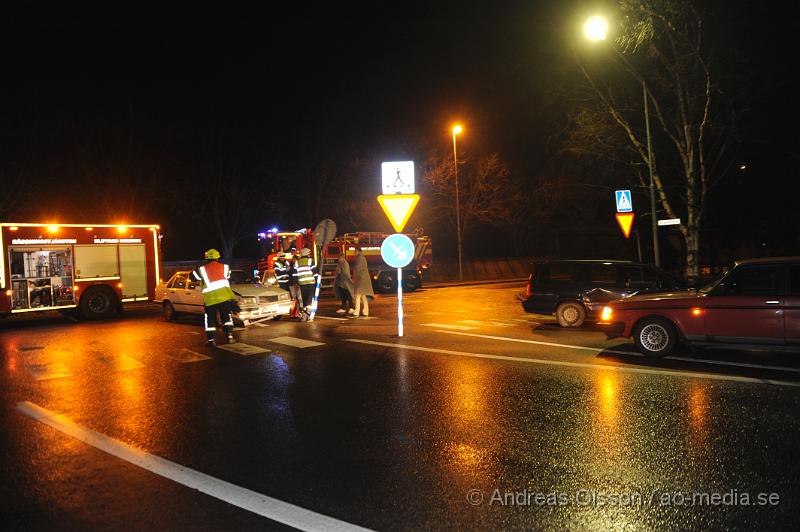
pixel 281 269
pixel 306 278
pixel 217 296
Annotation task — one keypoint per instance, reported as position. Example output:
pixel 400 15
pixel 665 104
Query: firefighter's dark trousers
pixel 210 318
pixel 308 294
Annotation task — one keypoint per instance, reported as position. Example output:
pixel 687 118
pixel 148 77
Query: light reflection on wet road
pixel 389 438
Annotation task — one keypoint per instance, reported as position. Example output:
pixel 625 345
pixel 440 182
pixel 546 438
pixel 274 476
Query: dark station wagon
pixel 576 290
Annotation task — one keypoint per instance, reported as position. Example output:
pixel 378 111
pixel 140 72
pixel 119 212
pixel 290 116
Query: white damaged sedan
pixel 181 294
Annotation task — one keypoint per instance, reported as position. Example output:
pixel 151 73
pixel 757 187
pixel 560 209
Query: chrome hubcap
pixel 570 314
pixel 654 337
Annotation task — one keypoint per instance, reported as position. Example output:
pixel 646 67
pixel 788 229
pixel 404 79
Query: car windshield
pixel 708 287
pixel 239 277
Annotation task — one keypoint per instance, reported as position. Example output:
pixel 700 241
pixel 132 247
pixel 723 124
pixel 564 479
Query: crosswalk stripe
pixel 295 342
pixel 243 349
pixel 185 356
pixel 318 317
pixel 42 372
pixel 449 326
pixel 120 363
pixel 259 324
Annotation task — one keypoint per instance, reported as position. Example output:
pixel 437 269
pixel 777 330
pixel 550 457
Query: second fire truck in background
pixel 383 275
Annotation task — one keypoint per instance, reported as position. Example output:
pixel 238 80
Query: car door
pixel 551 282
pixel 179 292
pixel 747 307
pixel 791 306
pixel 601 286
pixel 193 296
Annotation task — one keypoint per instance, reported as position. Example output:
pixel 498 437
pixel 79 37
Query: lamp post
pixel 457 129
pixel 596 29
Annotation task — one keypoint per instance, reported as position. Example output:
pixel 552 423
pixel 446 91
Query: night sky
pixel 301 83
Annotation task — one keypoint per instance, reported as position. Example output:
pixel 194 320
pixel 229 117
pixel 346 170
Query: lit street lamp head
pixel 457 129
pixel 596 28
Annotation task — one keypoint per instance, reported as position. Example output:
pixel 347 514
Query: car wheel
pixel 385 283
pixel 169 311
pixel 410 283
pixel 98 302
pixel 570 314
pixel 276 318
pixel 655 337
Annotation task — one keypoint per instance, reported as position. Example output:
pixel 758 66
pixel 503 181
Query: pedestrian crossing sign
pixel 624 202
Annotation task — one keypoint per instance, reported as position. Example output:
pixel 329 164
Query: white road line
pixel 622 369
pixel 486 323
pixel 729 363
pixel 448 326
pixel 536 342
pixel 632 353
pixel 259 324
pixel 254 502
pixel 318 317
pixel 295 342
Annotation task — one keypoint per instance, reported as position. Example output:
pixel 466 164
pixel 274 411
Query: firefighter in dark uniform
pixel 307 279
pixel 218 297
pixel 281 269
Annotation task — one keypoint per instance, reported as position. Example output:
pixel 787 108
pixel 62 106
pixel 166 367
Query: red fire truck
pixel 93 268
pixel 383 275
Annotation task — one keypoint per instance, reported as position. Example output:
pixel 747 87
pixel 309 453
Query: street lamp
pixel 457 129
pixel 595 29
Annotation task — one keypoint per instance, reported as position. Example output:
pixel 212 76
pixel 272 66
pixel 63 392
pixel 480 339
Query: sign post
pixel 323 234
pixel 398 201
pixel 397 251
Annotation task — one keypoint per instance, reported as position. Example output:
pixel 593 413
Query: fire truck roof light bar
pixel 9 224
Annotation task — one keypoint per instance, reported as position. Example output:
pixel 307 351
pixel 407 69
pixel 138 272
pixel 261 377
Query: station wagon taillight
pixel 528 286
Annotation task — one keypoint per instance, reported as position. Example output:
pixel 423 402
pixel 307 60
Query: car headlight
pixel 247 300
pixel 283 297
pixel 607 314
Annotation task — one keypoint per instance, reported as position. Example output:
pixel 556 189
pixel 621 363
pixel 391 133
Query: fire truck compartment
pixel 41 277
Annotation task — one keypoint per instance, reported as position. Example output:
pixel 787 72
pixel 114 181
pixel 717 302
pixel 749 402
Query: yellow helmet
pixel 212 254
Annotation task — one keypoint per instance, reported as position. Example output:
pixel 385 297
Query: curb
pixel 472 283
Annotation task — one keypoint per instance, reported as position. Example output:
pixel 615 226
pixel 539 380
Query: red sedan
pixel 756 304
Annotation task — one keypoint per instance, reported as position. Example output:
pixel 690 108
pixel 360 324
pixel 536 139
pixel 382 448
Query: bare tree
pixel 661 46
pixel 16 168
pixel 486 191
pixel 231 189
pixel 123 169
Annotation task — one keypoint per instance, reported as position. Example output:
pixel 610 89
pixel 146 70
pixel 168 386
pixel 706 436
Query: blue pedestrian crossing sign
pixel 624 202
pixel 397 250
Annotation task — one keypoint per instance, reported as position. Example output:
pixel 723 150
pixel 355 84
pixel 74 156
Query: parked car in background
pixel 576 290
pixel 755 304
pixel 183 294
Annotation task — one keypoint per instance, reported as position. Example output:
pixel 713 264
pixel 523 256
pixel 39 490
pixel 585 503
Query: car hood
pixel 688 295
pixel 253 290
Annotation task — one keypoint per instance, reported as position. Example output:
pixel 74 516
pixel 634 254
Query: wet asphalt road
pixel 486 418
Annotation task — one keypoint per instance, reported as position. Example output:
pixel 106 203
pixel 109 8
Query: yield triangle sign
pixel 398 208
pixel 625 221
